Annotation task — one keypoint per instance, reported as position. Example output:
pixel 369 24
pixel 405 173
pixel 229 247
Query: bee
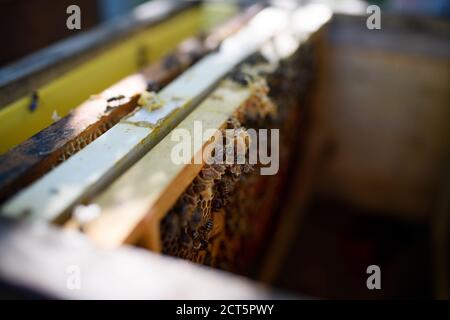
pixel 247 168
pixel 203 244
pixel 217 204
pixel 256 58
pixel 196 218
pixel 226 185
pixel 200 244
pixel 209 225
pixel 209 173
pixel 190 199
pixel 241 78
pixel 116 98
pixel 197 245
pixel 198 240
pixel 171 62
pixel 34 101
pixel 199 188
pixel 236 170
pixel 206 194
pixel 195 235
pixel 233 123
pixel 219 169
pixel 152 86
pixel 195 55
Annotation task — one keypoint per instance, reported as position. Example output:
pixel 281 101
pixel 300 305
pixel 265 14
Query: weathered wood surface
pixel 108 156
pixel 41 258
pixel 134 203
pixel 33 158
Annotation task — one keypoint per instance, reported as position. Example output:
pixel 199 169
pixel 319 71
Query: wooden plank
pixel 31 159
pixel 133 199
pixel 104 159
pixel 41 258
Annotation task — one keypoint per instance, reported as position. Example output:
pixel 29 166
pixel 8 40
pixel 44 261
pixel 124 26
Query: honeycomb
pixel 224 217
pixel 83 140
pixel 204 225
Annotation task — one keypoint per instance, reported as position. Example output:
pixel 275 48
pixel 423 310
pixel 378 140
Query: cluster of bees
pixel 199 216
pixel 224 207
pixel 202 227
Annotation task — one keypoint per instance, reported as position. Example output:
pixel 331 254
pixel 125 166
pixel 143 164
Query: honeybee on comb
pixel 211 225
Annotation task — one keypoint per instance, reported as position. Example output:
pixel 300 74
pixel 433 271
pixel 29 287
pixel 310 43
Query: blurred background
pixel 30 24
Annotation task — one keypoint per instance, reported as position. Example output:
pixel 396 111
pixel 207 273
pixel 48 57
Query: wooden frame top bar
pixel 33 158
pixel 132 199
pixel 108 156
